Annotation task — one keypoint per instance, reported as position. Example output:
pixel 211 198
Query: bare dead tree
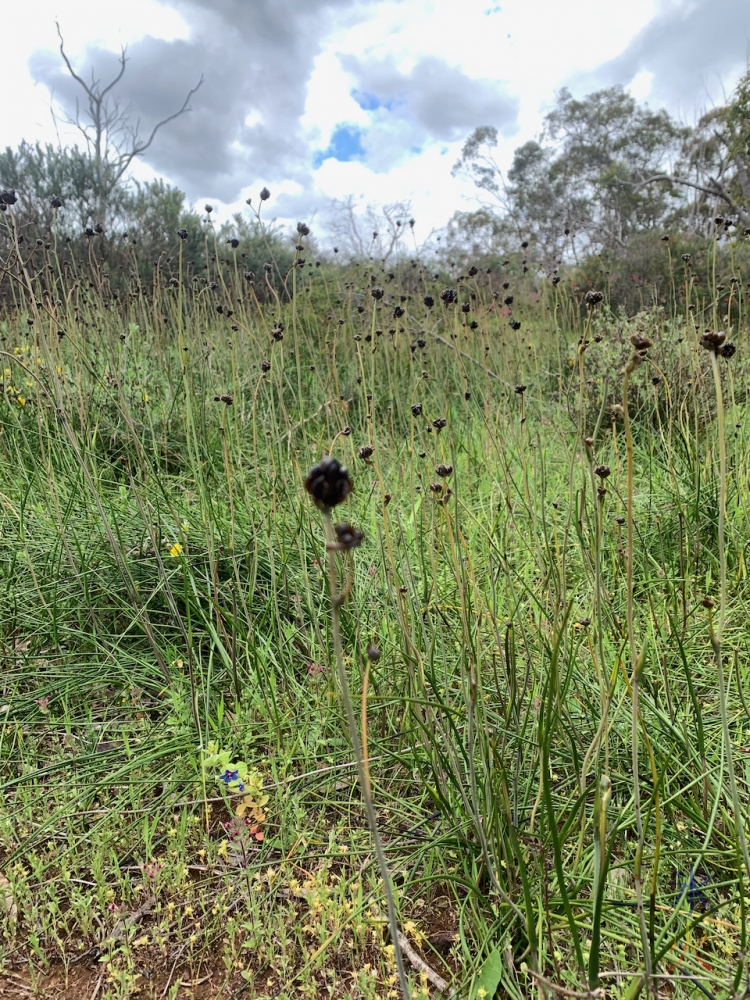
pixel 373 233
pixel 112 139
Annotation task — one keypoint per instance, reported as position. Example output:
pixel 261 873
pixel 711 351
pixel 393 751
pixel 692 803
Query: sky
pixel 321 99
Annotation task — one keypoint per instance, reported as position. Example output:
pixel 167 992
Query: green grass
pixel 163 588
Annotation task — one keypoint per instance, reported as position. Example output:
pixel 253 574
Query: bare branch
pixel 717 191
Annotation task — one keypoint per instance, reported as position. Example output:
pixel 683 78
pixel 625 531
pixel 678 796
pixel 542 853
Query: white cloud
pixel 280 79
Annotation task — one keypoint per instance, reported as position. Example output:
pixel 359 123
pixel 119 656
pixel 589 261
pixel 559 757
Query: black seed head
pixel 348 536
pixel 328 484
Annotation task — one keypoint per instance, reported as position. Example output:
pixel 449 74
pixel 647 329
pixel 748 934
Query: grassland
pixel 551 571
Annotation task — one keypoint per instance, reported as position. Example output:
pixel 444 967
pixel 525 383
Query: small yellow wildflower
pixel 176 550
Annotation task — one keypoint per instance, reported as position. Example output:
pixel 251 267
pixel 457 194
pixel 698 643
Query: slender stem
pixel 351 722
pixel 636 667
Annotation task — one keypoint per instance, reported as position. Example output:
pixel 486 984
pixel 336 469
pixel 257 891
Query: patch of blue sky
pixel 345 145
pixel 371 102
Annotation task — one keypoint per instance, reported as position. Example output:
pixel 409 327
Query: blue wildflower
pixel 228 776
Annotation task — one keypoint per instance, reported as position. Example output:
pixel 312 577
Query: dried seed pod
pixel 443 470
pixel 373 653
pixel 366 452
pixel 520 390
pixel 439 423
pixel 348 536
pixel 712 340
pixel 602 471
pixel 265 194
pixel 436 487
pixel 641 343
pixel 728 350
pixel 593 298
pixel 417 409
pixel 328 483
pixel 377 293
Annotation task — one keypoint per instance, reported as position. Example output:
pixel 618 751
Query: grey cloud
pixel 255 57
pixel 441 99
pixel 691 47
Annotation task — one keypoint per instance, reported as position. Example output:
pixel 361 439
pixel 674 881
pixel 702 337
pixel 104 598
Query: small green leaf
pixel 488 978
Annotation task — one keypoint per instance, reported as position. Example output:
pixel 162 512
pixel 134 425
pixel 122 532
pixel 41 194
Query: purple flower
pixel 228 776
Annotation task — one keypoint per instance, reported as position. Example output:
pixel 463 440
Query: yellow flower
pixel 176 550
pixel 21 401
pixel 481 993
pixel 145 397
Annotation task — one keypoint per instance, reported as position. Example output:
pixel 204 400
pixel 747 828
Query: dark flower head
pixel 712 341
pixel 429 301
pixel 417 409
pixel 348 536
pixel 8 197
pixel 56 202
pixel 515 324
pixel 249 275
pixel 439 423
pixel 602 471
pixel 524 244
pixel 686 258
pixel 377 293
pixel 520 390
pixel 373 651
pixel 556 280
pixel 443 470
pixel 183 234
pixel 302 229
pixel 448 296
pixel 473 270
pixel 593 298
pixel 265 366
pixel 328 484
pixel 233 243
pixel 89 232
pixel 436 487
pixel 366 452
pixel 508 300
pixel 641 343
pixel 209 209
pixel 398 312
pixel 265 194
pixel 728 350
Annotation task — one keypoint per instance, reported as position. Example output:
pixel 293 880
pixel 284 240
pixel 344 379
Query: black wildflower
pixel 328 484
pixel 348 536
